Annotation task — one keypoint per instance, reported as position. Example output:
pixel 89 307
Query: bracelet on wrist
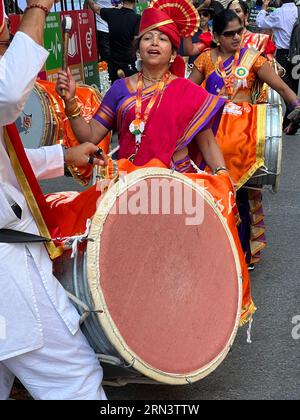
pixel 39 6
pixel 72 109
pixel 76 113
pixel 219 169
pixel 70 102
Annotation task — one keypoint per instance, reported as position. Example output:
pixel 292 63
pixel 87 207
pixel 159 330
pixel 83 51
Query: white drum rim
pixel 47 114
pixel 93 275
pixel 279 159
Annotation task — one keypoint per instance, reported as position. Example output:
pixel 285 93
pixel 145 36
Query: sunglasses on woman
pixel 204 14
pixel 231 34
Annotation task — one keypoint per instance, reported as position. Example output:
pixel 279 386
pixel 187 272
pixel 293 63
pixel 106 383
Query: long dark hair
pixel 221 20
pixel 243 5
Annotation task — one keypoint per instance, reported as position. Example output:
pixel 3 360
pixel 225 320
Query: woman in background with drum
pixel 230 72
pixel 151 122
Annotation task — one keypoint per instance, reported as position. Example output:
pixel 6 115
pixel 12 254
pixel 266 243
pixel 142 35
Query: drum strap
pixel 30 187
pixel 9 236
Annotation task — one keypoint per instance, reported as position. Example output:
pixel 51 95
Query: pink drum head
pixel 169 289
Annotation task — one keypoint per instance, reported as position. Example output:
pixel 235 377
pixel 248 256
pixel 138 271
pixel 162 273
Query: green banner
pixel 53 41
pixel 140 7
pixel 91 74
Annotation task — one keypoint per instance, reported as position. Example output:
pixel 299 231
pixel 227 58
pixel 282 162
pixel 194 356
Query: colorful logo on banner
pixel 74 56
pixel 82 51
pixel 87 34
pixel 53 41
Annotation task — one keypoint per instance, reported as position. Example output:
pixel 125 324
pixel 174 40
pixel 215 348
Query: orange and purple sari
pixel 181 112
pixel 241 136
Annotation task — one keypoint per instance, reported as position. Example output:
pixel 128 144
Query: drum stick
pixel 66 28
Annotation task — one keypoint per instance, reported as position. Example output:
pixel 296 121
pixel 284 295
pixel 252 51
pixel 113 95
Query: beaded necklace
pixel 229 79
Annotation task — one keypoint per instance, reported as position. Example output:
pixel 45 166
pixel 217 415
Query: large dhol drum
pixel 160 294
pixel 38 124
pixel 269 174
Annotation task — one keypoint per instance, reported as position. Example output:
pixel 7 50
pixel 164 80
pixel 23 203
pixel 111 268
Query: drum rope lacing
pixel 249 341
pixel 73 241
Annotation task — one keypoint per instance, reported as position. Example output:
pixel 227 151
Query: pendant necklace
pixel 137 127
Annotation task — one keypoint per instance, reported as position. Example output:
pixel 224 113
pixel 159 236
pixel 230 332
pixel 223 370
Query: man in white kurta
pixel 40 339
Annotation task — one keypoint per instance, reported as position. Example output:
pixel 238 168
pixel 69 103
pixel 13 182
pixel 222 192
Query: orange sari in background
pixel 241 131
pixel 241 136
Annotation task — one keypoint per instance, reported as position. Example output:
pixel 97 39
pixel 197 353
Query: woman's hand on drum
pixel 65 85
pixel 86 154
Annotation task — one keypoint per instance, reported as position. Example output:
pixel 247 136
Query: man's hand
pixel 265 4
pixel 87 154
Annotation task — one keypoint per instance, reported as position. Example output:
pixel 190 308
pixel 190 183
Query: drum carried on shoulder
pixel 159 302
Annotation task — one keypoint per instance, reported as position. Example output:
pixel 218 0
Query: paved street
pixel 269 368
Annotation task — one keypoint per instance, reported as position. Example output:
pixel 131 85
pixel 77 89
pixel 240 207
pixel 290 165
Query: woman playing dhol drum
pixel 157 114
pixel 151 120
pixel 230 72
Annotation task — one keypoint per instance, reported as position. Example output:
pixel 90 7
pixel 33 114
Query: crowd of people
pixel 143 106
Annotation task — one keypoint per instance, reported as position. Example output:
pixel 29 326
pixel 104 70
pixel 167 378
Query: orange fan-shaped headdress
pixel 183 13
pixel 177 19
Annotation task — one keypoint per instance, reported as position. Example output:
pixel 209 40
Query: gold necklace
pixel 152 80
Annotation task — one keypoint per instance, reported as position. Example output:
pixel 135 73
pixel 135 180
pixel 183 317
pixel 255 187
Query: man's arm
pixel 94 6
pixel 48 162
pixel 18 70
pixel 268 21
pixel 21 63
pixel 33 20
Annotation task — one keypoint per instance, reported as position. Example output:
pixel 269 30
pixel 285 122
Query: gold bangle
pixel 74 114
pixel 71 106
pixel 72 111
pixel 71 101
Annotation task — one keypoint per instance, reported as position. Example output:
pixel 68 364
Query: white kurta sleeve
pixel 47 162
pixel 19 67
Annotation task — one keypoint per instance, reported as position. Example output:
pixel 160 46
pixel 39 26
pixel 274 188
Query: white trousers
pixel 65 368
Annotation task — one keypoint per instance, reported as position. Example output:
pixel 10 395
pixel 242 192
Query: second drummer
pixel 231 72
